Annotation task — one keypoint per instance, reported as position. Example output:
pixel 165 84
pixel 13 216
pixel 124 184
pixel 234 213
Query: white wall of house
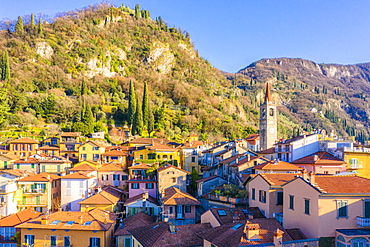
pixel 303 147
pixel 8 204
pixel 75 190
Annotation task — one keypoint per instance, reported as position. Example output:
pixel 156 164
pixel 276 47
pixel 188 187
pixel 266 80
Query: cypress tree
pixel 137 126
pixel 40 29
pixel 19 28
pixel 89 119
pixel 83 88
pixel 6 67
pixel 150 121
pixel 131 104
pixel 32 21
pixel 137 11
pixel 145 106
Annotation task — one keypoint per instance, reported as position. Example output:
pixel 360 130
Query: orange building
pixel 23 147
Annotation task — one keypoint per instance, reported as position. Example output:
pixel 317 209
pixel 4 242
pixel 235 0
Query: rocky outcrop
pixel 44 49
pixel 160 58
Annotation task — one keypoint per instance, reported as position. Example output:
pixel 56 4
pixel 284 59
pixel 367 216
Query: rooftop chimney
pixel 315 157
pixel 312 178
pixel 251 231
pixel 80 220
pixel 172 228
pixel 278 238
pixel 305 174
pixel 45 220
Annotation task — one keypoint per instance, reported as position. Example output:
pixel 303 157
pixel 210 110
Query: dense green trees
pixel 19 27
pixel 131 104
pixel 4 66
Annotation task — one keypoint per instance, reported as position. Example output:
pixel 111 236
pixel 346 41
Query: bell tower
pixel 268 121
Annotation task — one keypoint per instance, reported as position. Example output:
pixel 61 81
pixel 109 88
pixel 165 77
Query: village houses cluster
pixel 69 190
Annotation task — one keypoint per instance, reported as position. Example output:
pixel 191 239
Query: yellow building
pixel 319 205
pixel 159 152
pixel 56 165
pixel 93 164
pixel 358 160
pixel 23 147
pixel 40 192
pixel 91 150
pixel 6 161
pixel 69 143
pixel 66 228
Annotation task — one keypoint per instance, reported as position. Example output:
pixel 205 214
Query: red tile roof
pixel 170 166
pixel 226 236
pixel 140 197
pixel 41 177
pixel 111 167
pixel 175 196
pixel 77 175
pixel 27 161
pixel 159 146
pixel 319 158
pixel 18 218
pixel 150 234
pixel 100 220
pixel 267 151
pixel 296 233
pixel 252 137
pixel 343 184
pixel 140 166
pixel 137 220
pixel 207 178
pixel 277 179
pixel 71 134
pixel 24 140
pixel 277 165
pixel 46 147
pixel 115 153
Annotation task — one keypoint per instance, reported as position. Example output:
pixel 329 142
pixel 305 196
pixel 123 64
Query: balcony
pixel 357 150
pixel 356 166
pixel 362 221
pixel 142 177
pixel 34 191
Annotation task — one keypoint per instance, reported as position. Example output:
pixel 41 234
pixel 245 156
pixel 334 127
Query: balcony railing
pixel 362 221
pixel 141 177
pixel 356 166
pixel 357 150
pixel 34 191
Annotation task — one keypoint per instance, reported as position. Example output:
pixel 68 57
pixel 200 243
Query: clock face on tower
pixel 272 130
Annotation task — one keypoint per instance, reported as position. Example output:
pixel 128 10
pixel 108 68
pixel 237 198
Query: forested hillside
pixel 76 70
pixel 326 96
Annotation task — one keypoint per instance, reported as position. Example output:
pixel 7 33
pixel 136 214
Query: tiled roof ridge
pixel 99 222
pixel 267 180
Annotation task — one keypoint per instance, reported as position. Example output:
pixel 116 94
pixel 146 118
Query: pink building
pixel 140 182
pixel 112 174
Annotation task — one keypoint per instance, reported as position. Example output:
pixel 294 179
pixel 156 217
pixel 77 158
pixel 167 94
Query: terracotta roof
pixel 175 196
pixel 24 140
pixel 296 234
pixel 46 147
pixel 245 160
pixel 77 175
pixel 70 134
pixel 277 165
pixel 18 218
pixel 229 215
pixel 140 166
pixel 159 146
pixel 193 144
pixel 267 151
pixel 140 197
pixel 149 140
pixel 62 161
pixel 10 156
pixel 100 220
pixel 137 220
pixel 319 158
pixel 150 234
pixel 83 167
pixel 26 161
pixel 122 148
pixel 231 235
pixel 343 184
pixel 16 172
pixel 232 158
pixel 115 153
pixel 171 166
pixel 102 198
pixel 277 179
pixel 111 167
pixel 252 137
pixel 184 236
pixel 41 177
pixel 96 143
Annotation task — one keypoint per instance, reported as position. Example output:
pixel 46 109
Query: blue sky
pixel 233 34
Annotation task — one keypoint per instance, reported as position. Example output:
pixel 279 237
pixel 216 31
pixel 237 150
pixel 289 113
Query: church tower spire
pixel 268 120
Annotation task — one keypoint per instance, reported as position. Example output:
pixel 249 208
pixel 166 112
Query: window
pixel 29 239
pixel 124 177
pixel 173 180
pixel 127 242
pixel 306 206
pixel 149 186
pixel 95 149
pixel 141 156
pixel 83 156
pixel 95 157
pixel 32 166
pixel 291 202
pixel 68 192
pixel 342 209
pixel 187 209
pixel 134 186
pixel 253 194
pixel 58 168
pixel 18 166
pixel 68 184
pixel 116 177
pixel 82 192
pixel 53 240
pixel 67 241
pixel 279 198
pixel 170 210
pixel 193 159
pixel 81 184
pixel 84 148
pixel 271 112
pixel 43 168
pixel 94 242
pixel 354 163
pixel 262 196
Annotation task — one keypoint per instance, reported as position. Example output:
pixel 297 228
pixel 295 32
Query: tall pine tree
pixel 32 21
pixel 150 121
pixel 145 106
pixel 5 72
pixel 131 104
pixel 137 125
pixel 19 28
pixel 88 119
pixel 39 28
pixel 137 11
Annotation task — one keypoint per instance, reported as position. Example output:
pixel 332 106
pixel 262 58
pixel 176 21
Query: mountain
pixel 84 60
pixel 329 96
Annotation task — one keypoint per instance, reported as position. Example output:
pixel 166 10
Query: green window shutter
pixel 43 186
pixel 38 200
pixel 24 199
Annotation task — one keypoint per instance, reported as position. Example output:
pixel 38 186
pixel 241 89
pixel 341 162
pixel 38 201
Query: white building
pixel 8 188
pixel 74 188
pixel 297 147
